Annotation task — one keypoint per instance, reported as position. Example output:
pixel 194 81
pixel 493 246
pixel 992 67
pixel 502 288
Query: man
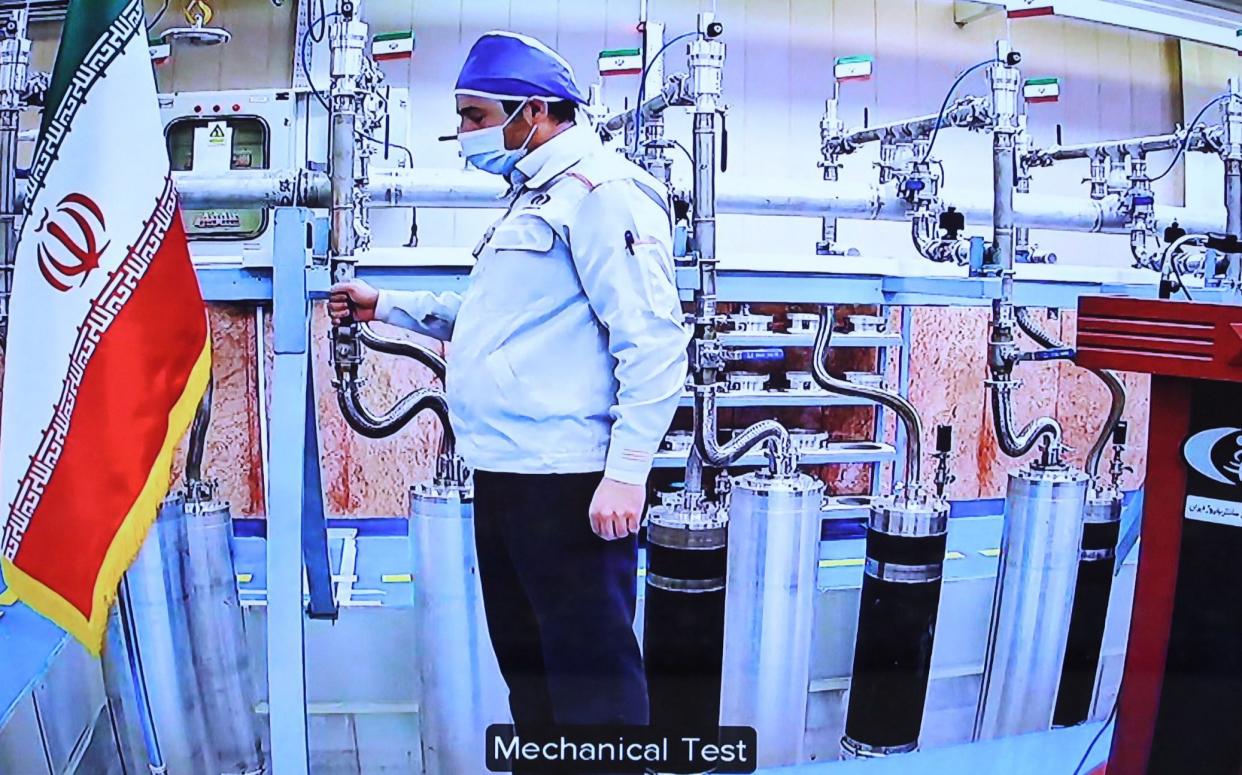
pixel 568 359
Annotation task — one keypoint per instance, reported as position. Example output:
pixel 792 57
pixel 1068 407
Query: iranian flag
pixel 108 351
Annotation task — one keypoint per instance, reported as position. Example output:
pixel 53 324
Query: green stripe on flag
pixel 854 59
pixel 1041 81
pixel 620 52
pixel 393 35
pixel 85 23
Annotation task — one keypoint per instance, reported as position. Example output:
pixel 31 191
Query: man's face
pixel 481 113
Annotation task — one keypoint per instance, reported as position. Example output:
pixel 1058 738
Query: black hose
pixel 198 436
pixel 390 346
pixel 372 426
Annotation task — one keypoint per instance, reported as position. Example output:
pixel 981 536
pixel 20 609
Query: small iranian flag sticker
pixel 855 68
pixel 621 61
pixel 393 45
pixel 1042 90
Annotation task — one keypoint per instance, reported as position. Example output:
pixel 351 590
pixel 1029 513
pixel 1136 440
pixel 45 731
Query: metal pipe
pixel 969 112
pixel 14 69
pixel 1128 147
pixel 673 93
pixel 1231 154
pixel 706 63
pixel 782 458
pixel 1018 443
pixel 1116 389
pixel 1002 351
pixel 402 347
pixel 735 196
pixel 905 411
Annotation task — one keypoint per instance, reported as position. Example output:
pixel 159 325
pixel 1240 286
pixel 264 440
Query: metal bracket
pixel 967 11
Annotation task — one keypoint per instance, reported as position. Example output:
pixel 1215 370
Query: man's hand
pixel 354 299
pixel 617 508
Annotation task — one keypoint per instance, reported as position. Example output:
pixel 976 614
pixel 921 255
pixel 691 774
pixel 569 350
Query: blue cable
pixel 642 84
pixel 1099 733
pixel 1189 132
pixel 945 105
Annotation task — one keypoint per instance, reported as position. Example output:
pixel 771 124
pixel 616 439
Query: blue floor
pixel 28 645
pixel 1048 753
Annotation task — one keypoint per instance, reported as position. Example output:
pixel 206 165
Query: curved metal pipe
pixel 781 457
pixel 198 436
pixel 361 420
pixel 390 346
pixel 1018 444
pixel 1116 388
pixel 1117 391
pixel 904 410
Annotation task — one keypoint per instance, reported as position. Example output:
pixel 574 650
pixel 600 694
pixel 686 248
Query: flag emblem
pixel 83 256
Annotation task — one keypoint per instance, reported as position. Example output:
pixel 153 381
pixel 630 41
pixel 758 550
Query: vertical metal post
pixel 903 389
pixel 1231 154
pixel 14 62
pixel 286 644
pixel 347 38
pixel 881 359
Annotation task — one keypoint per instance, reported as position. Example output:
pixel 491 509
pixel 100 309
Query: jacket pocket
pixel 523 232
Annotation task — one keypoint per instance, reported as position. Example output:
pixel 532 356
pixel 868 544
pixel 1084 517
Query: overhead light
pixel 199 15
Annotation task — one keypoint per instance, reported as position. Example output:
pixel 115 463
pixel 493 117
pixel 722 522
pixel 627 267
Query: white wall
pixel 778 72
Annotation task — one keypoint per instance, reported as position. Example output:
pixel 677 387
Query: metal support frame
pixel 296 535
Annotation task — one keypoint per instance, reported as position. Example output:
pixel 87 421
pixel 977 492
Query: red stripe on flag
pixel 118 434
pixel 1028 13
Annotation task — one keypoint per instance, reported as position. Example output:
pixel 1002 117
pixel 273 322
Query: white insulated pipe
pixel 735 196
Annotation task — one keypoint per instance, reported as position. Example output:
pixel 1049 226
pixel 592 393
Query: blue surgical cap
pixel 508 66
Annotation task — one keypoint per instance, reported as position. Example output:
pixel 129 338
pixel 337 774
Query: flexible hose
pixel 781 457
pixel 401 347
pixel 361 420
pixel 1116 389
pixel 1017 444
pixel 198 436
pixel 904 410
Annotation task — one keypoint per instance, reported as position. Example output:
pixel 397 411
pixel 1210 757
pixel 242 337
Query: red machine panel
pixel 1180 706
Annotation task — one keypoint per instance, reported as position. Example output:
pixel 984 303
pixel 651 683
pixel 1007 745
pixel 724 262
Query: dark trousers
pixel 559 601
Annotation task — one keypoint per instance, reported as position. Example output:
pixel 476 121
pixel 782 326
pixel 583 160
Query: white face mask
pixel 485 148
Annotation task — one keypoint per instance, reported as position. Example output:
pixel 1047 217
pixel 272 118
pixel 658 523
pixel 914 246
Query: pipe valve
pixel 944 448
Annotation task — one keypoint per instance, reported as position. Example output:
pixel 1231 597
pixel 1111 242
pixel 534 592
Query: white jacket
pixel 569 347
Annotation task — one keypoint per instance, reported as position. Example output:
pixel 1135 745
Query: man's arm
pixel 430 314
pixel 622 248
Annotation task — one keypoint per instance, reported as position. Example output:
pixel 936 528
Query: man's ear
pixel 535 109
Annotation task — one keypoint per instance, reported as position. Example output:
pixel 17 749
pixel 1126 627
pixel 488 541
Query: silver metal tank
pixel 1033 601
pixel 223 677
pixel 462 689
pixel 191 652
pixel 774 531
